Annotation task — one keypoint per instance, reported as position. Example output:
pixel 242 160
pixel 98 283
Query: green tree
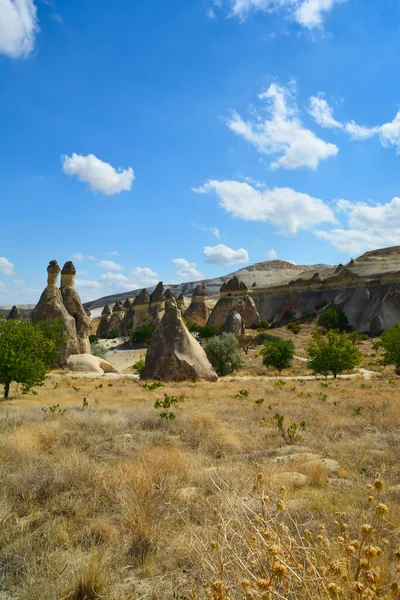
pixel 332 319
pixel 278 353
pixel 333 353
pixel 223 353
pixel 27 352
pixel 143 334
pixel 390 342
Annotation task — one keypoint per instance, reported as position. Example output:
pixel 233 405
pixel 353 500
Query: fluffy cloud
pixel 145 277
pixel 86 283
pixel 223 255
pixel 113 277
pixel 109 265
pixel 6 267
pixel 359 132
pixel 187 271
pixel 308 13
pixel 288 210
pixel 18 25
pixel 369 227
pixel 214 230
pixel 322 113
pixel 77 256
pixel 101 176
pixel 113 253
pixel 282 134
pixel 272 254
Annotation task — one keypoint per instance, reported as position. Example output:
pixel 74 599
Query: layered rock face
pixel 51 307
pixel 14 314
pixel 198 310
pixel 142 309
pixel 73 304
pixel 234 297
pixel 102 329
pixel 173 353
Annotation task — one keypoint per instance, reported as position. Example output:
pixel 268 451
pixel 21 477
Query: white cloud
pixel 214 230
pixel 390 133
pixel 109 265
pixel 20 282
pixel 86 283
pixel 145 277
pixel 272 254
pixel 92 258
pixel 113 253
pixel 322 113
pixel 282 134
pixel 223 255
pixel 117 277
pixel 359 132
pixel 283 207
pixel 187 271
pixel 18 25
pixel 370 227
pixel 101 176
pixel 308 13
pixel 6 267
pixel 77 256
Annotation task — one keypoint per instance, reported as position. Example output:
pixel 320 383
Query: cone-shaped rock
pixel 198 310
pixel 73 304
pixel 142 309
pixel 174 354
pixel 181 302
pixel 102 329
pixel 14 314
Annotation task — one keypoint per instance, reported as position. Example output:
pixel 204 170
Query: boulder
pixel 73 304
pixel 198 310
pixel 234 324
pixel 51 307
pixel 14 314
pixel 173 353
pixel 87 363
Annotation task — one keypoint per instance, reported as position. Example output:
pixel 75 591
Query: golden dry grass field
pixel 103 498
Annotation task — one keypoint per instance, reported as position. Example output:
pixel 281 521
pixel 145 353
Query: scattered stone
pixel 174 354
pixel 294 479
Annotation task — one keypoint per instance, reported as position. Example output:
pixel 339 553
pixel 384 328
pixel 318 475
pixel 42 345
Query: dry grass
pixel 111 501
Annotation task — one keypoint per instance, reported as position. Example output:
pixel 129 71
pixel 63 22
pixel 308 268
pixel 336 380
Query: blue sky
pixel 179 139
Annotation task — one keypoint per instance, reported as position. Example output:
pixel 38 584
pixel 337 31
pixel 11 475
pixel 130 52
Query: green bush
pixel 262 338
pixel 114 333
pixel 223 353
pixel 93 339
pixel 333 353
pixel 206 332
pixel 294 328
pixel 138 367
pixel 390 342
pixel 278 353
pixel 142 334
pixel 98 350
pixel 332 319
pixel 263 324
pixel 27 352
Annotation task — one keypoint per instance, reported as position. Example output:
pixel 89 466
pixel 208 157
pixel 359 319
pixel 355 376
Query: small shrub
pixel 54 411
pixel 93 339
pixel 143 334
pixel 223 353
pixel 206 332
pixel 278 354
pixel 289 434
pixel 390 342
pixel 246 342
pixel 166 405
pixel 152 386
pixel 332 319
pixel 98 350
pixel 242 394
pixel 114 333
pixel 139 365
pixel 263 324
pixel 294 328
pixel 262 338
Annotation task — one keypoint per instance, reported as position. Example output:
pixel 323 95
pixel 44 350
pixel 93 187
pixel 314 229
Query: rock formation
pixel 86 363
pixel 181 303
pixel 157 304
pixel 51 307
pixel 142 309
pixel 127 322
pixel 248 311
pixel 231 292
pixel 198 310
pixel 102 329
pixel 117 317
pixel 73 304
pixel 234 324
pixel 14 314
pixel 173 353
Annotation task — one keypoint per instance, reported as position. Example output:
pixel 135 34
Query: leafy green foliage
pixel 262 338
pixel 332 319
pixel 294 327
pixel 205 332
pixel 334 353
pixel 390 342
pixel 143 334
pixel 138 366
pixel 223 353
pixel 27 352
pixel 152 386
pixel 166 404
pixel 53 411
pixel 93 339
pixel 242 394
pixel 98 350
pixel 114 333
pixel 290 434
pixel 263 324
pixel 278 353
pixel 85 403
